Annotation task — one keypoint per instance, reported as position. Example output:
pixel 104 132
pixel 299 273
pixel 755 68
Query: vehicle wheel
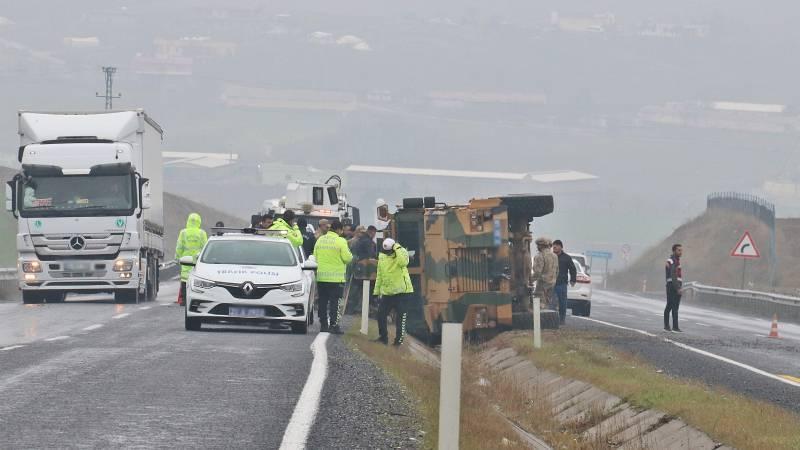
pixel 191 323
pixel 31 298
pixel 299 328
pixel 126 296
pixel 522 320
pixel 151 289
pixel 585 310
pixel 55 297
pixel 550 319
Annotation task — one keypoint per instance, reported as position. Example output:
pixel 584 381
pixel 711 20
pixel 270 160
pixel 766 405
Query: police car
pixel 250 277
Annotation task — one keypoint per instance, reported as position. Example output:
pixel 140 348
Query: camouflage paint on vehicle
pixel 470 263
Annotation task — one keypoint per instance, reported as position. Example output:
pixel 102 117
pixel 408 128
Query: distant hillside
pixel 176 209
pixel 707 241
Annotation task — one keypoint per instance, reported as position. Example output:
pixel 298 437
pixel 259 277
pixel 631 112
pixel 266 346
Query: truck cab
pixel 317 201
pixel 89 206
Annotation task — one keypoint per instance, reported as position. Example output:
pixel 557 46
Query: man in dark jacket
pixel 567 274
pixel 674 288
pixel 309 240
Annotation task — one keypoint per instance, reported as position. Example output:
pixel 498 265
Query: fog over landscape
pixel 639 109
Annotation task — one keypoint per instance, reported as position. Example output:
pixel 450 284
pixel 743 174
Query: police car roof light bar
pixel 249 230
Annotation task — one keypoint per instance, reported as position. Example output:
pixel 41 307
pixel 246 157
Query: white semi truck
pixel 89 204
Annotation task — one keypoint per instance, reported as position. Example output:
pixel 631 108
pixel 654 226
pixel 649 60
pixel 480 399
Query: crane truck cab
pixel 317 201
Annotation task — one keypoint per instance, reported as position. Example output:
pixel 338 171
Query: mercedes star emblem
pixel 77 243
pixel 248 288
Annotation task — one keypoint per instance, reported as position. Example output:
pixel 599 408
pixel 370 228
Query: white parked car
pixel 579 297
pixel 247 278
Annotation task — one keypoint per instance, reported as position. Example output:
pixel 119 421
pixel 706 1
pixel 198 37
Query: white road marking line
pixel 11 347
pixel 145 308
pixel 296 434
pixel 93 327
pixel 703 352
pixel 57 338
pixel 121 316
pixel 702 324
pixel 166 304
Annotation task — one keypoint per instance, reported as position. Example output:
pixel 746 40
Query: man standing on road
pixel 286 223
pixel 333 256
pixel 393 286
pixel 545 270
pixel 267 219
pixel 324 227
pixel 308 236
pixel 190 241
pixel 567 274
pixel 674 286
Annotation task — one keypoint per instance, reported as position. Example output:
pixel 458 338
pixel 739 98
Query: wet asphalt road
pixel 92 374
pixel 729 335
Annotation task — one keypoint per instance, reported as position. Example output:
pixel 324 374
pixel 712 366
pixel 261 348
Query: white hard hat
pixel 381 202
pixel 388 244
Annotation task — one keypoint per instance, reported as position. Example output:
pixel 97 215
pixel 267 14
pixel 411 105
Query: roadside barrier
pixel 760 304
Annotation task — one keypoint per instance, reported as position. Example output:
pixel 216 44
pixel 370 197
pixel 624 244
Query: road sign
pixel 746 248
pixel 598 254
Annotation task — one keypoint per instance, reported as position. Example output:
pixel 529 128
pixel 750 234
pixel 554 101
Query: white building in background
pixel 81 42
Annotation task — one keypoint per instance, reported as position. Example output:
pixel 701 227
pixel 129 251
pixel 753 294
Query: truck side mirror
pixel 10 196
pixel 147 200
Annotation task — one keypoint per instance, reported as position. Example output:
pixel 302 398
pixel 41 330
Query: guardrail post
pixel 450 387
pixel 365 308
pixel 537 323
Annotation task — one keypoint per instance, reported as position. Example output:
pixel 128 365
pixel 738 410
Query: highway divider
pixel 760 304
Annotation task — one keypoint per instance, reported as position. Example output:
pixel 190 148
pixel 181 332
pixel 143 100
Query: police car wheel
pixel 191 323
pixel 300 328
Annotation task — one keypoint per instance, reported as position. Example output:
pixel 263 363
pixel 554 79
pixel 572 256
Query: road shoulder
pixel 362 406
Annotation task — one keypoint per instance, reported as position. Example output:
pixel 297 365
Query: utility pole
pixel 109 71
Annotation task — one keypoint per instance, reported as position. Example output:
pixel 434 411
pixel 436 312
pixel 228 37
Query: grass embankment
pixel 480 427
pixel 728 417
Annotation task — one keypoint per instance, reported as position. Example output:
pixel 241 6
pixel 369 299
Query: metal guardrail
pixel 754 295
pixel 9 273
pixel 762 304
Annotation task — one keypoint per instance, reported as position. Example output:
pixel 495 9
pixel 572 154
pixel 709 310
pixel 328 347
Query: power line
pixel 109 71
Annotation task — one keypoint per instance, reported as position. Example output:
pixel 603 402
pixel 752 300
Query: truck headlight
pixel 31 267
pixel 123 265
pixel 295 288
pixel 199 284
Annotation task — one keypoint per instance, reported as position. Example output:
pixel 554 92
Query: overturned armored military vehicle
pixel 471 263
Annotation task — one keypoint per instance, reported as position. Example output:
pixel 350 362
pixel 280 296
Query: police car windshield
pixel 249 252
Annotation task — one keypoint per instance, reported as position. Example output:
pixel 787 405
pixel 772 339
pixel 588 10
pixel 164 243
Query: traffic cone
pixel 774 331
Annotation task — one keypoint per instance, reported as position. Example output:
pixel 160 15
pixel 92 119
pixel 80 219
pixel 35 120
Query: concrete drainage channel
pixel 617 424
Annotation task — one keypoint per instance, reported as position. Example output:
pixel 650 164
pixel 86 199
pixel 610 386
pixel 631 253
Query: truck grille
pixel 94 244
pixel 469 270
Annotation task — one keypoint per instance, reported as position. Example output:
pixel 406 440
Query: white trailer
pixel 89 203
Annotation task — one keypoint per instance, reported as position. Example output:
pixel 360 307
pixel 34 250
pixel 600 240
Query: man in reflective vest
pixel 286 223
pixel 190 241
pixel 333 255
pixel 393 286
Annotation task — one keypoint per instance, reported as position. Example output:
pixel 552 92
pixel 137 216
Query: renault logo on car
pixel 248 288
pixel 77 242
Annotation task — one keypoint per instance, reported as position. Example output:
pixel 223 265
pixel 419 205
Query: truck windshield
pixel 77 195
